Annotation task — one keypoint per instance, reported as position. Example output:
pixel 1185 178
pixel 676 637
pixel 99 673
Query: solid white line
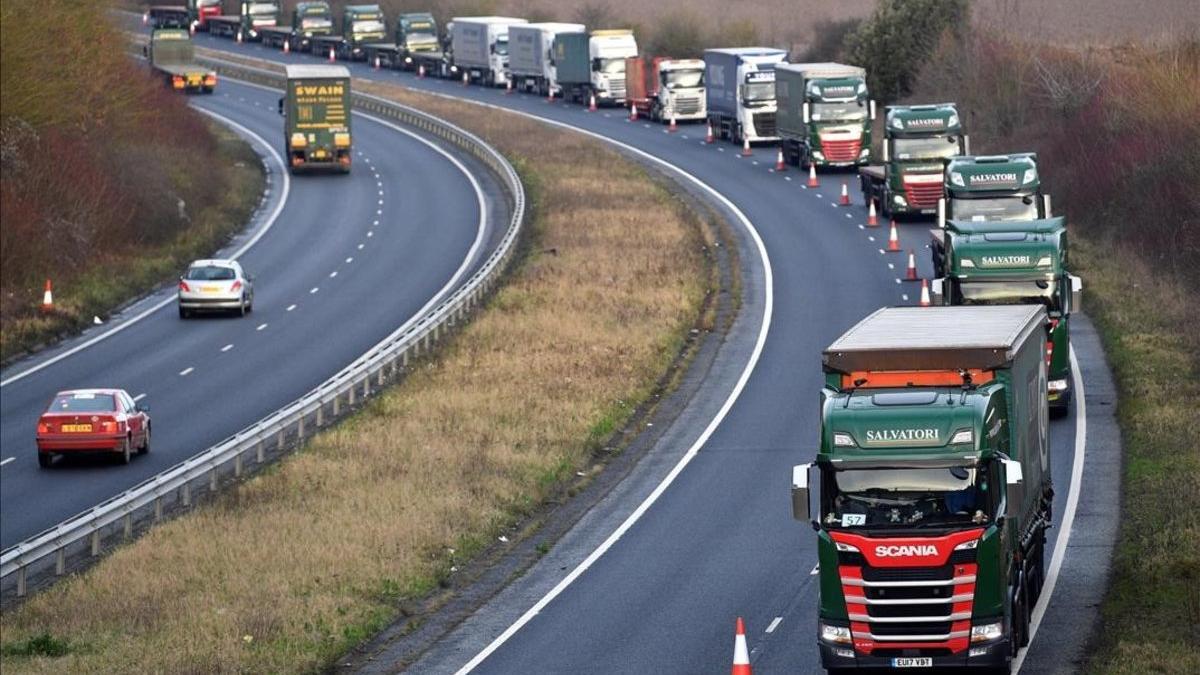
pixel 139 397
pixel 7 461
pixel 1068 519
pixel 226 347
pixel 270 221
pixel 186 371
pixel 768 309
pixel 774 624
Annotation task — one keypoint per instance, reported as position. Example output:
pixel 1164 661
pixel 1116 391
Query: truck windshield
pixel 208 3
pixel 421 39
pixel 1007 293
pixel 838 112
pixel 502 46
pixel 938 147
pixel 263 9
pixel 683 79
pixel 310 22
pixel 612 66
pixel 367 26
pixel 759 91
pixel 995 208
pixel 871 498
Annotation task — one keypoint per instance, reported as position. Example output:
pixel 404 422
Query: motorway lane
pixel 720 542
pixel 349 260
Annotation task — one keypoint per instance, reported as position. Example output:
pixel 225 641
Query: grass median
pixel 289 570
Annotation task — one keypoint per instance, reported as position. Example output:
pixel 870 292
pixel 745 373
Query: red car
pixel 90 421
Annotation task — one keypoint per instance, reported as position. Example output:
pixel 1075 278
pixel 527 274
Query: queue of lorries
pixel 933 470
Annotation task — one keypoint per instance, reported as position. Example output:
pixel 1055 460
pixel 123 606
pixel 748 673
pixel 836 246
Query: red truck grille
pixel 922 192
pixel 928 609
pixel 841 150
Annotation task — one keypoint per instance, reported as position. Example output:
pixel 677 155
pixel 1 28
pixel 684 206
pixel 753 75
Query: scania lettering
pixel 824 114
pixel 930 551
pixel 918 142
pixel 316 113
pixel 739 87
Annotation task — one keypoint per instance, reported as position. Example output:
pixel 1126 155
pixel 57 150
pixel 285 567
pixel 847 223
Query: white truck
pixel 740 88
pixel 666 89
pixel 480 47
pixel 531 55
pixel 593 63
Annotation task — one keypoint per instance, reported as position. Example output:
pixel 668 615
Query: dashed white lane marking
pixel 227 347
pixel 787 177
pixel 349 260
pixel 861 226
pixel 262 327
pixel 720 149
pixel 774 624
pixel 333 274
pixel 370 233
pixel 891 266
pixel 754 162
pixel 186 371
pixel 904 297
pixel 849 215
pixel 379 212
pixel 381 201
pixel 7 461
pixel 834 204
pixel 870 238
pixel 899 281
pixel 139 397
pixel 360 247
pixel 684 137
pixel 314 290
pixel 290 308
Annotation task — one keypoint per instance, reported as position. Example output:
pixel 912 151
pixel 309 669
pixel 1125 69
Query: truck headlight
pixel 967 545
pixel 253 33
pixel 966 262
pixel 817 154
pixel 1030 176
pixel 836 634
pixel 1044 261
pixel 987 632
pixel 408 59
pixel 1058 385
pixel 962 436
pixel 899 201
pixel 842 440
pixel 845 548
pixel 864 152
pixel 308 33
pixel 957 179
pixel 341 140
pixel 953 121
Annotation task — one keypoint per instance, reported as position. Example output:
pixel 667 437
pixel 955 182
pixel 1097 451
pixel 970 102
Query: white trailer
pixel 531 58
pixel 480 45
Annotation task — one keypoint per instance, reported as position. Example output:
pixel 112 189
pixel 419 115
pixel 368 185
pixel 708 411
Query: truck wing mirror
pixel 936 290
pixel 941 214
pixel 887 152
pixel 872 110
pixel 1046 206
pixel 966 144
pixel 1014 486
pixel 280 105
pixel 800 508
pixel 1076 293
pixel 805 112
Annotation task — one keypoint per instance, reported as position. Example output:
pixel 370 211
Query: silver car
pixel 215 285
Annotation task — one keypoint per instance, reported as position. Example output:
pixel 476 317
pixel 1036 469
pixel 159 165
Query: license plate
pixel 210 289
pixel 319 154
pixel 76 428
pixel 913 662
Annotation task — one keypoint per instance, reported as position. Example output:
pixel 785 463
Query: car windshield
pixel 612 66
pixel 210 273
pixel 838 112
pixel 686 79
pixel 369 26
pixel 315 22
pixel 1007 293
pixel 907 497
pixel 760 91
pixel 939 147
pixel 83 403
pixel 994 208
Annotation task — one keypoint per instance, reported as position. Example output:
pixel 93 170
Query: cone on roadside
pixel 145 18
pixel 911 273
pixel 845 200
pixel 746 152
pixel 549 95
pixel 592 103
pixel 672 127
pixel 632 112
pixel 812 176
pixel 332 55
pixel 239 37
pixel 466 78
pixel 741 655
pixel 508 86
pixel 780 164
pixel 421 71
pixel 48 298
pixel 376 63
pixel 872 219
pixel 925 294
pixel 287 46
pixel 893 239
pixel 708 134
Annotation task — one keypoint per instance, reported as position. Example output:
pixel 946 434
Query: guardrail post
pixel 95 542
pixel 237 465
pixel 260 452
pixel 336 401
pixel 300 428
pixel 379 383
pixel 367 385
pixel 282 429
pixel 320 414
pixel 404 359
pixel 157 507
pixel 128 520
pixel 60 561
pixel 21 581
pixel 212 478
pixel 187 494
pixel 350 396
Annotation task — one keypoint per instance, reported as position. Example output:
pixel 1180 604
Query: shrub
pixel 898 39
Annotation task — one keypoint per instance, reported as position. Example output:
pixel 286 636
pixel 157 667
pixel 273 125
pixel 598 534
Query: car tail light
pixel 43 427
pixel 184 287
pixel 237 286
pixel 108 426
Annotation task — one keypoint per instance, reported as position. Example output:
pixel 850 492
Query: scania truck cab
pixel 666 89
pixel 308 20
pixel 593 64
pixel 932 488
pixel 739 86
pixel 998 262
pixel 362 25
pixel 825 114
pixel 918 143
pixel 245 25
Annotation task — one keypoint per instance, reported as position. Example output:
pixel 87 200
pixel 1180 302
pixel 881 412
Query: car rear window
pixel 210 273
pixel 83 403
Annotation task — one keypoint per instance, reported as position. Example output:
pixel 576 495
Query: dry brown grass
pixel 285 572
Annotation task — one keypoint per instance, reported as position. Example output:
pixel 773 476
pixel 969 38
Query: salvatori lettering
pixel 894 435
pixel 993 178
pixel 1006 261
pixel 926 122
pixel 906 551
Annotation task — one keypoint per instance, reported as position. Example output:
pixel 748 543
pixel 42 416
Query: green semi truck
pixel 172 55
pixel 824 114
pixel 416 45
pixel 934 488
pixel 362 25
pixel 308 20
pixel 244 26
pixel 316 113
pixel 918 142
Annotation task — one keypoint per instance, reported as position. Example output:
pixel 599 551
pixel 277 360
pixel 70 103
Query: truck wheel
pixel 656 112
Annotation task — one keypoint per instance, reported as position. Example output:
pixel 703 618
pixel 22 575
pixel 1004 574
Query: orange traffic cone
pixel 48 298
pixel 672 127
pixel 708 134
pixel 845 201
pixel 332 55
pixel 421 70
pixel 239 36
pixel 145 18
pixel 746 152
pixel 376 63
pixel 632 112
pixel 287 46
pixel 780 165
pixel 872 219
pixel 812 176
pixel 592 103
pixel 893 239
pixel 911 273
pixel 741 655
pixel 192 28
pixel 925 294
pixel 549 95
pixel 508 86
pixel 466 78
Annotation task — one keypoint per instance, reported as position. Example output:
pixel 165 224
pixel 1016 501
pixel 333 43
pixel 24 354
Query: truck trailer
pixel 666 89
pixel 593 64
pixel 308 20
pixel 172 55
pixel 740 92
pixel 191 14
pixel 316 118
pixel 245 25
pixel 480 46
pixel 531 55
pixel 933 488
pixel 824 115
pixel 995 262
pixel 918 142
pixel 361 26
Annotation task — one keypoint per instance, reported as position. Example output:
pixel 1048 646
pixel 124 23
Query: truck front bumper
pixel 989 655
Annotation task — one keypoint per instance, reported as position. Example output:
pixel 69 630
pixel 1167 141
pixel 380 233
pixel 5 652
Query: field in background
pixel 289 570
